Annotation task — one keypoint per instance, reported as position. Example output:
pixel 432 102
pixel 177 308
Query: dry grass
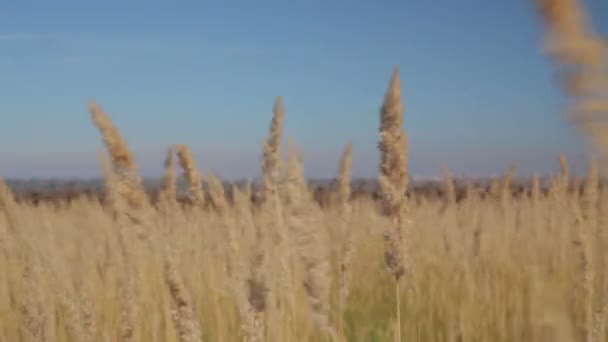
pixel 192 174
pixel 582 60
pixel 484 273
pixel 488 267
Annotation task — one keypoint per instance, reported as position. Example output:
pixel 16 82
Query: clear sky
pixel 478 92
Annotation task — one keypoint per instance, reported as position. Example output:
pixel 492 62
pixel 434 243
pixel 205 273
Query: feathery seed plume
pixel 168 190
pixel 129 181
pixel 187 163
pixel 394 178
pixel 582 59
pixel 271 161
pixel 184 316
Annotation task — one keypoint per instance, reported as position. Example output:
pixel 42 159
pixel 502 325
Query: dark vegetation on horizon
pixel 66 191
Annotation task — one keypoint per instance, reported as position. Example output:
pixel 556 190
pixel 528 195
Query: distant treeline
pixel 65 191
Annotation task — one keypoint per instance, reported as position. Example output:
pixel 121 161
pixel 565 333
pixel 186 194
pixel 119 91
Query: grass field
pixel 272 264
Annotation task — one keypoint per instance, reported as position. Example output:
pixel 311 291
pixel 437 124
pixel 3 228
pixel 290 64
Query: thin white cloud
pixel 238 50
pixel 17 37
pixel 80 59
pixel 88 49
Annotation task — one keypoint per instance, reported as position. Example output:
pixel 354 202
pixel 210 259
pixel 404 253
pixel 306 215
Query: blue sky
pixel 478 92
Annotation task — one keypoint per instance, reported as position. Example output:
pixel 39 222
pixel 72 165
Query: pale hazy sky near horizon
pixel 478 91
